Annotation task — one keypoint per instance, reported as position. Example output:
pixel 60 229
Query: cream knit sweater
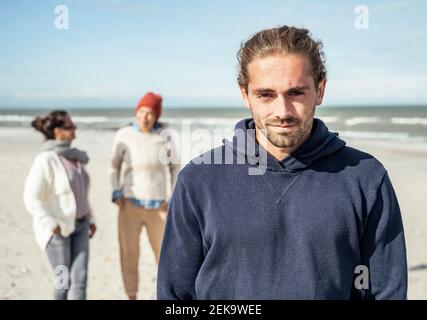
pixel 136 166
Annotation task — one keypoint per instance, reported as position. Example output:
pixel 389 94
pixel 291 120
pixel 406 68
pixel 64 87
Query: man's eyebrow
pixel 302 88
pixel 268 90
pixel 262 90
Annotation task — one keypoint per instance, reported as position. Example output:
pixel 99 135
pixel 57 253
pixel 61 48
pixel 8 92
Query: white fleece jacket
pixel 49 198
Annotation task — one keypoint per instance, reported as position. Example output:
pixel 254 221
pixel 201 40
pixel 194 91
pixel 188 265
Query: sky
pixel 115 50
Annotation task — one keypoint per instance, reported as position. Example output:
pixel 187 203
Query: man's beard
pixel 285 139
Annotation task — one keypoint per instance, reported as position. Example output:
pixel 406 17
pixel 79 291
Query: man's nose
pixel 283 107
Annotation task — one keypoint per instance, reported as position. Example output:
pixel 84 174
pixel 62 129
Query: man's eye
pixel 265 95
pixel 296 93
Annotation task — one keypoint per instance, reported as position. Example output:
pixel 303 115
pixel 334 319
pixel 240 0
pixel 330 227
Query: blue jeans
pixel 68 257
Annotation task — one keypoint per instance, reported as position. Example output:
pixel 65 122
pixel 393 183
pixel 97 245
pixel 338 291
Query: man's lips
pixel 282 125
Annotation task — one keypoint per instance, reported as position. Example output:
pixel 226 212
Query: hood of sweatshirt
pixel 321 143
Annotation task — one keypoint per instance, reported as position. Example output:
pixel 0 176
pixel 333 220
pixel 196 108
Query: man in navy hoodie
pixel 319 220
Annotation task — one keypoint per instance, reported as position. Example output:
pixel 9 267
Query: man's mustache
pixel 286 121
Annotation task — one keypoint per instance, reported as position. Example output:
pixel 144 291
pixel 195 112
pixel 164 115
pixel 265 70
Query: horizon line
pixel 180 107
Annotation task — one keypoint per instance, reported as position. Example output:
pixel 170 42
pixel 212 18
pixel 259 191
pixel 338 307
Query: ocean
pixel 385 123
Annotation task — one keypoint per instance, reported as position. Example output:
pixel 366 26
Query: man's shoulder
pixel 362 162
pixel 203 166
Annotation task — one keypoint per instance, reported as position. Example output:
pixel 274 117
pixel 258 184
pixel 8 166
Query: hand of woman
pixel 57 231
pixel 120 202
pixel 165 206
pixel 92 230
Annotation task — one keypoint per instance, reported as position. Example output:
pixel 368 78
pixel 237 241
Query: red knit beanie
pixel 152 101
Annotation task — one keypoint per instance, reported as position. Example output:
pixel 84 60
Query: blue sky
pixel 114 50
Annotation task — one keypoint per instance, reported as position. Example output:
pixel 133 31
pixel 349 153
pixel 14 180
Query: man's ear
pixel 321 92
pixel 245 97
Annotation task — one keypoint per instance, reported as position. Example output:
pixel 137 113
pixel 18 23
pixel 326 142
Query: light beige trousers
pixel 130 221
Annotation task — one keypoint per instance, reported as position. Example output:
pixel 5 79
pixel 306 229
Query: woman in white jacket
pixel 56 195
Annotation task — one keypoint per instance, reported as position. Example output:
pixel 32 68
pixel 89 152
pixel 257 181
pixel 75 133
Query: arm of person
pixel 91 216
pixel 182 249
pixel 115 169
pixel 383 247
pixel 174 165
pixel 36 190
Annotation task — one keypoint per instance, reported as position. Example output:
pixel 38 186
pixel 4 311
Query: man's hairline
pixel 281 53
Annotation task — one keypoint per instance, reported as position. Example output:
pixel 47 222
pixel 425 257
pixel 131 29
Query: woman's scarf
pixel 63 148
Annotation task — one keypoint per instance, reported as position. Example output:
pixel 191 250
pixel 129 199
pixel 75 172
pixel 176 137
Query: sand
pixel 24 269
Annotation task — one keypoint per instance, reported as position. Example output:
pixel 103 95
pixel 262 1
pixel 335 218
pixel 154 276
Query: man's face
pixel 282 97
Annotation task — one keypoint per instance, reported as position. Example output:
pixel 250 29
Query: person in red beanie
pixel 148 111
pixel 140 185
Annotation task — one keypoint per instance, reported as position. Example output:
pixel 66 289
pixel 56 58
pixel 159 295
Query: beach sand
pixel 24 269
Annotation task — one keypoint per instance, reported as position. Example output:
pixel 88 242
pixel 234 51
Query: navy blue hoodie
pixel 298 231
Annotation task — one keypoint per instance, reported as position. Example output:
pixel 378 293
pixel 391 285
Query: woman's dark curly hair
pixel 47 124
